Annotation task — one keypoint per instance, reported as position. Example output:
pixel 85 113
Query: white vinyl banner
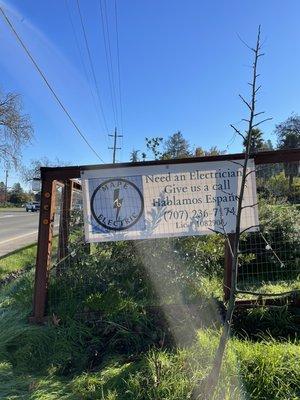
pixel 154 201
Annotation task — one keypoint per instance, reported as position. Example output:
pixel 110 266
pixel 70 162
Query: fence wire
pixel 270 258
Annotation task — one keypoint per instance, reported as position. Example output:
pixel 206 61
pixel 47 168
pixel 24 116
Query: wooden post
pixel 43 258
pixel 64 223
pixel 228 266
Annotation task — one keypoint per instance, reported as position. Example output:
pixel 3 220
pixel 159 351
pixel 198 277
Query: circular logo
pixel 117 204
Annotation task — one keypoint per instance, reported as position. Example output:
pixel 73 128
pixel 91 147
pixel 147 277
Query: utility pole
pixel 115 148
pixel 6 178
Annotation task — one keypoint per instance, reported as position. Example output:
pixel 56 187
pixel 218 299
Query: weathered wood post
pixel 43 258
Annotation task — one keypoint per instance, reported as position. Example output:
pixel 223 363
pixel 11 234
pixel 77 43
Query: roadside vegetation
pixel 141 320
pixel 11 207
pixel 18 261
pixel 127 349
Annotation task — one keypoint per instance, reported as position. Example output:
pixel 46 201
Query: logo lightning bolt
pixel 117 202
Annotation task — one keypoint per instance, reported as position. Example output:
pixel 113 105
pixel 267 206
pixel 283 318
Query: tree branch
pixel 261 122
pixel 237 131
pixel 244 101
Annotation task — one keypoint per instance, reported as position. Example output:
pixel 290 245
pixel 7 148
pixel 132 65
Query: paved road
pixel 17 229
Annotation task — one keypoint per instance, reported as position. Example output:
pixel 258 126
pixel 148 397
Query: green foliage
pixel 203 255
pixel 134 156
pixel 109 303
pixel 17 195
pixel 288 133
pixel 276 251
pixel 176 147
pixel 125 350
pixel 153 144
pixel 278 186
pixel 256 371
pixel 25 386
pixel 265 322
pixel 177 262
pixel 121 352
pixel 288 136
pixel 20 261
pixel 256 142
pixel 213 151
pixel 269 370
pixel 10 206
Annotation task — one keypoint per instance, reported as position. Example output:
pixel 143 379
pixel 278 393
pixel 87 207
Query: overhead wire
pixel 119 79
pixel 79 50
pixel 42 74
pixel 113 66
pixel 92 66
pixel 118 65
pixel 108 59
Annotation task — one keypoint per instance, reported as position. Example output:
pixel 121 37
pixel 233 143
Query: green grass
pixel 18 260
pixel 271 288
pixel 15 386
pixel 123 354
pixel 22 259
pixel 256 371
pixel 12 209
pixel 52 362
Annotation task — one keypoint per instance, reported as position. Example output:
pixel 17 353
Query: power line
pixel 48 84
pixel 83 63
pixel 108 59
pixel 118 64
pixel 92 66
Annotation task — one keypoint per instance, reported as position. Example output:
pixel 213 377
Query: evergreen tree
pixel 2 187
pixel 2 192
pixel 17 195
pixel 257 142
pixel 134 156
pixel 288 137
pixel 177 147
pixel 213 151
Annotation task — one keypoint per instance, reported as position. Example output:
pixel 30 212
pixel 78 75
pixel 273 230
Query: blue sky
pixel 182 67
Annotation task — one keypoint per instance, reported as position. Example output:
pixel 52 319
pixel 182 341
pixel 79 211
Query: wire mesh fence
pixel 269 258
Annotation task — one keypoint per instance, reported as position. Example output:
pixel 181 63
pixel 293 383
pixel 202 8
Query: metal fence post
pixel 43 258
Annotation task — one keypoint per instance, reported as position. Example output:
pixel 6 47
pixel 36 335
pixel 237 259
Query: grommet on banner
pixel 46 221
pixel 47 195
pixel 46 207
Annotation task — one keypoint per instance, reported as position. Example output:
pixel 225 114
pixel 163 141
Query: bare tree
pixel 15 128
pixel 214 375
pixel 33 170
